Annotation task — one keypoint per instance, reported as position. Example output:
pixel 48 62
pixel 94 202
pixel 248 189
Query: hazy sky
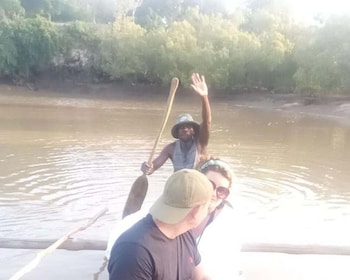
pixel 307 9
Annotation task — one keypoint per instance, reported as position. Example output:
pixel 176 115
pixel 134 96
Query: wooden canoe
pixel 83 244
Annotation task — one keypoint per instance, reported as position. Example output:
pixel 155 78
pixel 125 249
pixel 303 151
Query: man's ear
pixel 193 213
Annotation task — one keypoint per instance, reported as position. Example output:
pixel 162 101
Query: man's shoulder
pixel 188 235
pixel 137 231
pixel 122 226
pixel 172 144
pixel 202 150
pixel 169 148
pixel 144 232
pixel 125 260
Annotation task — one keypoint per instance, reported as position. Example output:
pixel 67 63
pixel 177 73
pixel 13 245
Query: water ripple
pixel 291 174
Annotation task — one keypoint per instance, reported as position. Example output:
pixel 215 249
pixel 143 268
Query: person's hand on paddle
pixel 147 168
pixel 199 84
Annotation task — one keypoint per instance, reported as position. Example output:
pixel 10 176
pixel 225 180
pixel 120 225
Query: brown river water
pixel 62 159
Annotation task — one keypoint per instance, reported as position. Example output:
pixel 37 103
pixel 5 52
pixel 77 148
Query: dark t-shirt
pixel 143 252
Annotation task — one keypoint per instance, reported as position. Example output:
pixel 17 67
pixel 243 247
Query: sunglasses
pixel 221 192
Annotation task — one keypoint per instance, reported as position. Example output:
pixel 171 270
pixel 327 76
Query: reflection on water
pixel 62 162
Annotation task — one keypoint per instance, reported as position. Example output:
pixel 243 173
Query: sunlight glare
pixel 311 8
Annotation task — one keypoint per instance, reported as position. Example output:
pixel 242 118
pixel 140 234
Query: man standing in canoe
pixel 190 148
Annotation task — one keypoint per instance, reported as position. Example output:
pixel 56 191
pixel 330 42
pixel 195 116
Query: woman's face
pixel 219 181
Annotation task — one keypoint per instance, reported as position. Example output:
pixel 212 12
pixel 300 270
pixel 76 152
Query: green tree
pixel 58 10
pixel 153 13
pixel 11 9
pixel 36 7
pixel 323 58
pixel 28 45
pixel 103 11
pixel 8 51
pixel 121 51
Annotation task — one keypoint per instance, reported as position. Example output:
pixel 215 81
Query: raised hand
pixel 199 85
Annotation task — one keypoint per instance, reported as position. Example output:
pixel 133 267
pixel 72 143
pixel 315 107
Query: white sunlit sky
pixel 308 9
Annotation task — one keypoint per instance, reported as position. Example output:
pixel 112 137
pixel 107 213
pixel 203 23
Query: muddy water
pixel 63 159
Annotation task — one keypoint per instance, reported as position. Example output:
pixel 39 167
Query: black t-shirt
pixel 143 252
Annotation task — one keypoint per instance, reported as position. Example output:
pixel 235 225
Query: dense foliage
pixel 150 41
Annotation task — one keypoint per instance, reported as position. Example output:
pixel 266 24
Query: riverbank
pixel 328 107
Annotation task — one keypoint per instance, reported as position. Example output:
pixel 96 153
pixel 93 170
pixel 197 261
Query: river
pixel 62 159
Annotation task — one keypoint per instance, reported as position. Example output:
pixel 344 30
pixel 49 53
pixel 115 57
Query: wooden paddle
pixel 139 188
pixel 30 266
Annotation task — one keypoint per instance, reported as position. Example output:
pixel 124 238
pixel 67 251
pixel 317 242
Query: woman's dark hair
pixel 217 165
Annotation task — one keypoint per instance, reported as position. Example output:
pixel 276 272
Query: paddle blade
pixel 136 196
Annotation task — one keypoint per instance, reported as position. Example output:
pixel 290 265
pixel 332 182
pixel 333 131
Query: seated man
pixel 219 235
pixel 160 246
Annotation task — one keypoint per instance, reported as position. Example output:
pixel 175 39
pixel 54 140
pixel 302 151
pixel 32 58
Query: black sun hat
pixel 184 119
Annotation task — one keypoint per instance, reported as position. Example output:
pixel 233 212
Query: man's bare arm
pixel 204 128
pixel 200 86
pixel 199 273
pixel 158 162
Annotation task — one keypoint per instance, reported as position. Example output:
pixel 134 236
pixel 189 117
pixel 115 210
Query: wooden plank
pixel 100 245
pixel 70 244
pixel 43 253
pixel 316 249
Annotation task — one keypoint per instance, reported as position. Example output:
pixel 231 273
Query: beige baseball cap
pixel 184 190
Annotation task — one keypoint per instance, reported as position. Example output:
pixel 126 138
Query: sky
pixel 308 9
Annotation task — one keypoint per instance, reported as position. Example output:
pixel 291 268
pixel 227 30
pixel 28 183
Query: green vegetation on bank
pixel 150 41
